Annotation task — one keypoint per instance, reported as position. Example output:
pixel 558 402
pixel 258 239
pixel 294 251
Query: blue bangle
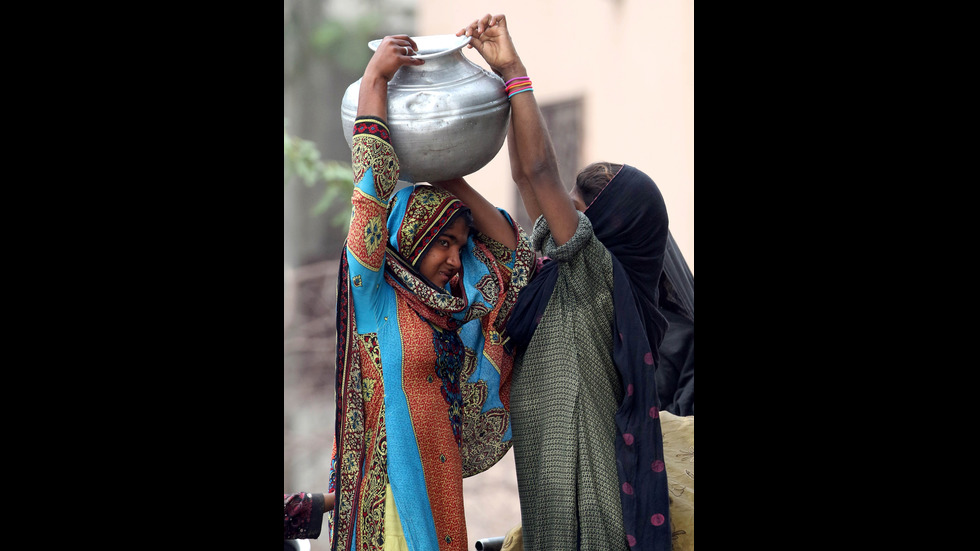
pixel 519 91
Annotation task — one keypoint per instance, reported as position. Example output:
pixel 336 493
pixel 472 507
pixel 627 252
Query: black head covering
pixel 630 218
pixel 675 372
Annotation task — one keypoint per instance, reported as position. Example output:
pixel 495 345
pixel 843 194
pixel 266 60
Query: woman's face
pixel 441 262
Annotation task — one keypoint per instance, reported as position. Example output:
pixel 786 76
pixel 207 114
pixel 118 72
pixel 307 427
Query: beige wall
pixel 633 63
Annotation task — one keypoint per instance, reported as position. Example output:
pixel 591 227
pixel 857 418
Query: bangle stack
pixel 517 85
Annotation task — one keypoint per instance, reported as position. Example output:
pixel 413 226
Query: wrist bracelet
pixel 517 85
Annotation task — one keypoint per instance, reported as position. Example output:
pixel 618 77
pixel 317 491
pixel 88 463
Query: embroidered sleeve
pixel 376 171
pixel 371 151
pixel 302 516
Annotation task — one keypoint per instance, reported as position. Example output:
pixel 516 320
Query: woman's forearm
pixel 372 98
pixel 537 163
pixel 523 183
pixel 486 218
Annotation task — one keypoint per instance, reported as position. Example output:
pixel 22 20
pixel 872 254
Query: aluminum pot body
pixel 448 117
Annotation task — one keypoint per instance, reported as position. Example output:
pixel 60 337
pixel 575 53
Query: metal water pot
pixel 448 117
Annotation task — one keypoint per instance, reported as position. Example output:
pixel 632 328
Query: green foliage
pixel 342 45
pixel 301 159
pixel 346 42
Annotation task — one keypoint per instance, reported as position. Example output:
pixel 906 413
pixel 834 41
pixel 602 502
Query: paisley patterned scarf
pixel 428 210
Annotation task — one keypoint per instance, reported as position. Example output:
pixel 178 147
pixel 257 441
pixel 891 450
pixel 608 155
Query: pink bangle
pixel 516 78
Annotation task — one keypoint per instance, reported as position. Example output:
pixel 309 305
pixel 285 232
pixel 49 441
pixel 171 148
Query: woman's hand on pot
pixel 393 52
pixel 490 37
